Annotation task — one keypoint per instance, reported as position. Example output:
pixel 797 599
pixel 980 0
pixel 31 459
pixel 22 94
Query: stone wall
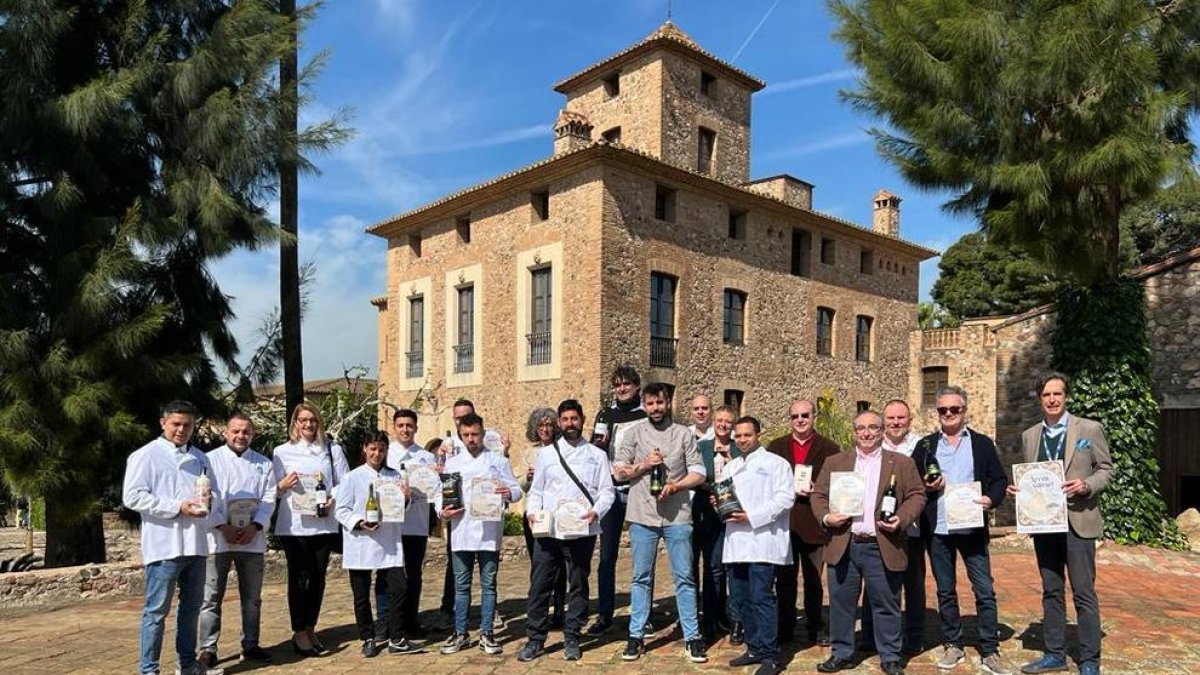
pixel 637 109
pixel 1172 299
pixel 685 108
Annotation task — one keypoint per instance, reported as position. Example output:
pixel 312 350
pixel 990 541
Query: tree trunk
pixel 289 212
pixel 72 538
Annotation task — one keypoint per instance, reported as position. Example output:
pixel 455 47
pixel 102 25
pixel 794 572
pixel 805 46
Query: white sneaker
pixel 951 657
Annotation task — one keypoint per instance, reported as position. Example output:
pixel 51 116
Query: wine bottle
pixel 321 495
pixel 887 506
pixel 372 515
pixel 932 470
pixel 658 479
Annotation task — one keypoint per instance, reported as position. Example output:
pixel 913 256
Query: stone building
pixel 999 360
pixel 642 240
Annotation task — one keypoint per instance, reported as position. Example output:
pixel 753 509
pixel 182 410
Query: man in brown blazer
pixel 867 548
pixel 803 446
pixel 1083 448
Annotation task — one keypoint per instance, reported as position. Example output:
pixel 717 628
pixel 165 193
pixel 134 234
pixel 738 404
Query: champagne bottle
pixel 658 479
pixel 372 516
pixel 887 506
pixel 932 470
pixel 321 495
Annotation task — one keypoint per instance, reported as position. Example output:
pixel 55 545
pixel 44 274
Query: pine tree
pixel 1046 119
pixel 136 145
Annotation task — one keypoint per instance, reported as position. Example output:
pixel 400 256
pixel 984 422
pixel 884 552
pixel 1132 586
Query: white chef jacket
pixel 307 458
pixel 763 483
pixel 492 442
pixel 249 476
pixel 467 533
pixel 416 513
pixel 158 477
pixel 551 484
pixel 363 549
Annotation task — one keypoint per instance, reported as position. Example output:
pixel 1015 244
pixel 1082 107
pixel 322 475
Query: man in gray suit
pixel 1082 447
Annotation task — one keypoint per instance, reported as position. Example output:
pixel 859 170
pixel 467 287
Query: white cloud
pixel 839 75
pixel 834 142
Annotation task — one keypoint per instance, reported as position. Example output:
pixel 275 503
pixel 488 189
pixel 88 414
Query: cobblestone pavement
pixel 1150 606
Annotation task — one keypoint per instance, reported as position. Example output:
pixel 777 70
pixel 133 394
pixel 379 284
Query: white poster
pixel 847 493
pixel 1041 504
pixel 962 511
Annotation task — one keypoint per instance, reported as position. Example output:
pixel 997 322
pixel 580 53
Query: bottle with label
pixel 321 495
pixel 658 479
pixel 204 493
pixel 932 470
pixel 372 516
pixel 887 505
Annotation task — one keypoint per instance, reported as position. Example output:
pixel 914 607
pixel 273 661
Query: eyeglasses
pixel 801 416
pixel 867 427
pixel 950 410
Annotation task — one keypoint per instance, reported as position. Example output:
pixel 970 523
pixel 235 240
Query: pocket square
pixel 1083 444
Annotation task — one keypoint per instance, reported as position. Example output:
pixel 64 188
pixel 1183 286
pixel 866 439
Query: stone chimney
pixel 572 131
pixel 887 214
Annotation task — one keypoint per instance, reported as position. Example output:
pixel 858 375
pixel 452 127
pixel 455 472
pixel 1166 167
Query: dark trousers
pixel 560 576
pixel 708 545
pixel 973 548
pixel 550 558
pixel 751 584
pixel 807 562
pixel 307 559
pixel 413 546
pixel 360 587
pixel 862 563
pixel 914 601
pixel 610 543
pixel 448 585
pixel 1078 555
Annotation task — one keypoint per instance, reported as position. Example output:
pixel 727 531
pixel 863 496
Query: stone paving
pixel 1150 606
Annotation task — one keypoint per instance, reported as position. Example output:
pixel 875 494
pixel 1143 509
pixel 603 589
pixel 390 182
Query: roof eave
pixel 596 70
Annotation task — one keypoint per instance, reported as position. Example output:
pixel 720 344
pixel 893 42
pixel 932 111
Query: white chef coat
pixel 249 476
pixel 492 442
pixel 158 477
pixel 551 484
pixel 307 458
pixel 416 513
pixel 467 533
pixel 763 483
pixel 363 549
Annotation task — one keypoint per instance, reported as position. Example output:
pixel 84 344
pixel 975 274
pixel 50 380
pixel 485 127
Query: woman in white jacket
pixel 371 542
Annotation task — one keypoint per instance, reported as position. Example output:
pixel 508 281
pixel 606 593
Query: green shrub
pixel 512 524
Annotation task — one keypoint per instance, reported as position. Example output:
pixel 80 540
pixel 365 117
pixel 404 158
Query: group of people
pixel 745 527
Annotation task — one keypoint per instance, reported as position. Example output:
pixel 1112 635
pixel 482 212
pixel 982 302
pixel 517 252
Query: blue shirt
pixel 958 466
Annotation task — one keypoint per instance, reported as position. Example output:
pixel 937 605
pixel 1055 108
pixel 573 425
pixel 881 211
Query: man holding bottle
pixel 404 455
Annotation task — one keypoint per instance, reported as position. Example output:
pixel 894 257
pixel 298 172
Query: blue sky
pixel 448 94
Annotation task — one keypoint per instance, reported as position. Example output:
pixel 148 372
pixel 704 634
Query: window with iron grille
pixel 416 336
pixel 662 319
pixel 464 349
pixel 540 316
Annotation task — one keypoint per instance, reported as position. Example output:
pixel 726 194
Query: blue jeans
pixel 464 565
pixel 162 577
pixel 752 585
pixel 610 544
pixel 643 541
pixel 973 547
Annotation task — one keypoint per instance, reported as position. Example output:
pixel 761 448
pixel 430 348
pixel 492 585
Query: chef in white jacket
pixel 757 541
pixel 473 539
pixel 247 488
pixel 405 455
pixel 165 482
pixel 370 542
pixel 571 470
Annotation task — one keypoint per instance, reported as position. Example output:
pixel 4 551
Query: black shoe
pixel 696 651
pixel 571 651
pixel 737 634
pixel 633 650
pixel 746 659
pixel 893 668
pixel 768 668
pixel 319 648
pixel 256 653
pixel 403 646
pixel 310 652
pixel 532 650
pixel 556 620
pixel 834 664
pixel 819 638
pixel 599 628
pixel 369 648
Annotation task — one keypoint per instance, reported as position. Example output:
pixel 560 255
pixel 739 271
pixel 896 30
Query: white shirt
pixel 158 477
pixel 363 549
pixel 551 484
pixel 467 533
pixel 248 476
pixel 709 434
pixel 492 442
pixel 763 483
pixel 307 458
pixel 416 513
pixel 906 448
pixel 869 465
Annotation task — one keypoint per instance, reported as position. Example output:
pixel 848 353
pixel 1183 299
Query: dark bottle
pixel 932 470
pixel 321 495
pixel 887 506
pixel 658 479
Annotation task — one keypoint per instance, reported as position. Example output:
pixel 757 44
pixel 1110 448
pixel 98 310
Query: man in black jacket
pixel 964 456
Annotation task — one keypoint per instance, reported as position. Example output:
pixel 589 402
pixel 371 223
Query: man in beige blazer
pixel 1083 448
pixel 868 548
